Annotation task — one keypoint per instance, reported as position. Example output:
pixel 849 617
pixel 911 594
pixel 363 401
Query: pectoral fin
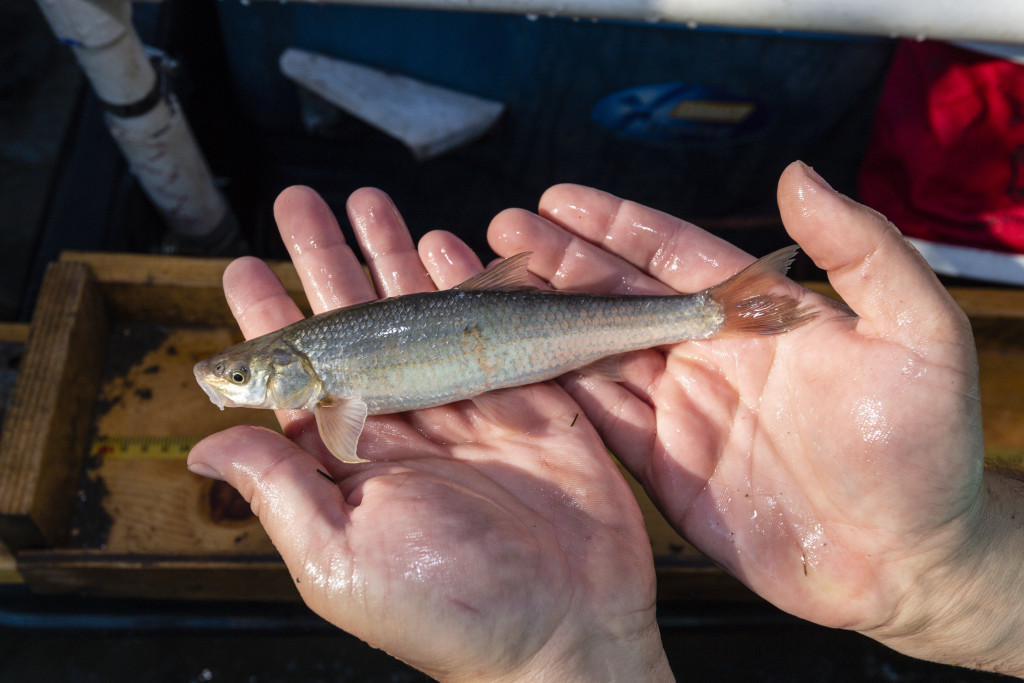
pixel 340 423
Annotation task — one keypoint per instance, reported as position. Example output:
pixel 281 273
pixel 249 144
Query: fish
pixel 493 331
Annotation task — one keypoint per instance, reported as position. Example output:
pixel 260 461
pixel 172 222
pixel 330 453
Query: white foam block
pixel 428 119
pixel 969 262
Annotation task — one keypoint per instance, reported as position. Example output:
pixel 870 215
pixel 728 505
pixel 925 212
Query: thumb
pixel 877 272
pixel 301 510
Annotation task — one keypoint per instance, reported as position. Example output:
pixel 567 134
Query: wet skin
pixel 836 469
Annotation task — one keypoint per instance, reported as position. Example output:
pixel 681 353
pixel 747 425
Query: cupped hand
pixel 484 541
pixel 836 469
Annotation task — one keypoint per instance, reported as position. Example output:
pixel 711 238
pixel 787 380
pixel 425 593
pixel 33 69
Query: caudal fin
pixel 750 308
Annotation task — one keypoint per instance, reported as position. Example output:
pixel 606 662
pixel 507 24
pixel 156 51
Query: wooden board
pixel 194 577
pixel 49 420
pixel 111 350
pixel 13 337
pixel 111 524
pixel 169 290
pixel 154 504
pixel 8 566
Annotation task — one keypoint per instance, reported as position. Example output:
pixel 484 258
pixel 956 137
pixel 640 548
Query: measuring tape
pixel 142 447
pixel 1011 458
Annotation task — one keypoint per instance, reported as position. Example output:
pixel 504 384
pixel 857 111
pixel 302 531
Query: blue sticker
pixel 679 112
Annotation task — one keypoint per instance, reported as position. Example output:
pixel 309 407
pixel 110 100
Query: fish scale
pixel 455 344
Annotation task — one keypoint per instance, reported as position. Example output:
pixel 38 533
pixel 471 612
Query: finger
pixel 565 260
pixel 331 274
pixel 260 305
pixel 668 249
pixel 622 413
pixel 877 272
pixel 448 260
pixel 386 244
pixel 281 483
pixel 257 299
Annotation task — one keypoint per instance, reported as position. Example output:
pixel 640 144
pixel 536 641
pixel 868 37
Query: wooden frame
pixel 109 354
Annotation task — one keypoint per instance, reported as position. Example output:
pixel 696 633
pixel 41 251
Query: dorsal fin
pixel 504 276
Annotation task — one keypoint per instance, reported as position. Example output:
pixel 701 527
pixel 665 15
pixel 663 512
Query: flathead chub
pixel 491 332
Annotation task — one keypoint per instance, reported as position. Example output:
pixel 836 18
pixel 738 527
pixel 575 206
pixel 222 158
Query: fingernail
pixel 813 175
pixel 204 470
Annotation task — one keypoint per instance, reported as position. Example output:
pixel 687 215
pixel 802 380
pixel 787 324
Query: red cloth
pixel 946 157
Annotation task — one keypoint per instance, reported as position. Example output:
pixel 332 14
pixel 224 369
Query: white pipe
pixel 981 20
pixel 167 162
pixel 147 124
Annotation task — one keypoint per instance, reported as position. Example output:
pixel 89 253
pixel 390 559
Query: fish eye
pixel 240 375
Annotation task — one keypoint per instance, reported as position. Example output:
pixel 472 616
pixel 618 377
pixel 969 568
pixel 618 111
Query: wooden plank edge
pixel 100 574
pixel 47 425
pixel 977 302
pixel 157 289
pixel 696 583
pixel 14 333
pixel 8 566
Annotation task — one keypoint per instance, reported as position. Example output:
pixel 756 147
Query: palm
pixel 468 544
pixel 797 461
pixel 461 519
pixel 804 478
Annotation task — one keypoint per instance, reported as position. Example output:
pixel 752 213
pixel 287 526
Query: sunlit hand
pixel 836 469
pixel 471 548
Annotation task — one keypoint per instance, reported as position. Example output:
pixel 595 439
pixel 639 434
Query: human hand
pixel 469 548
pixel 837 469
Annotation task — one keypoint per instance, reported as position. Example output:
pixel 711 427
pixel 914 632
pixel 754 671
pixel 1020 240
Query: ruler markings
pixel 143 447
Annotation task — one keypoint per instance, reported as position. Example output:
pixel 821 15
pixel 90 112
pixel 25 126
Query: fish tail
pixel 749 307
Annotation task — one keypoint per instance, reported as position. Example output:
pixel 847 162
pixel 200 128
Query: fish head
pixel 255 375
pixel 235 378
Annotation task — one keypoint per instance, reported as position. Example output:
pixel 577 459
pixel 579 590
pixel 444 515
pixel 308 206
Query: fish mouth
pixel 218 399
